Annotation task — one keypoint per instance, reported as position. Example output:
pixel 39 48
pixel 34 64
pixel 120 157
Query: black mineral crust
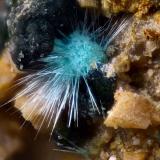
pixel 32 26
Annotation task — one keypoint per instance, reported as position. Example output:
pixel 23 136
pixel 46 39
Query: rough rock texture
pixel 132 110
pixel 33 24
pixel 132 144
pixel 140 7
pixel 109 7
pixel 137 63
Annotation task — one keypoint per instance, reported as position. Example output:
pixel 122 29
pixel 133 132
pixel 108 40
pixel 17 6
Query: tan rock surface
pixel 108 7
pixel 137 155
pixel 132 111
pixel 7 76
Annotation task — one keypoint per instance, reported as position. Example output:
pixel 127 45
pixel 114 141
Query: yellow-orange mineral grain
pixel 109 7
pixel 134 155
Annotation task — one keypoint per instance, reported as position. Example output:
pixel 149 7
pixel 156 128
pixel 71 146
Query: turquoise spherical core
pixel 77 53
